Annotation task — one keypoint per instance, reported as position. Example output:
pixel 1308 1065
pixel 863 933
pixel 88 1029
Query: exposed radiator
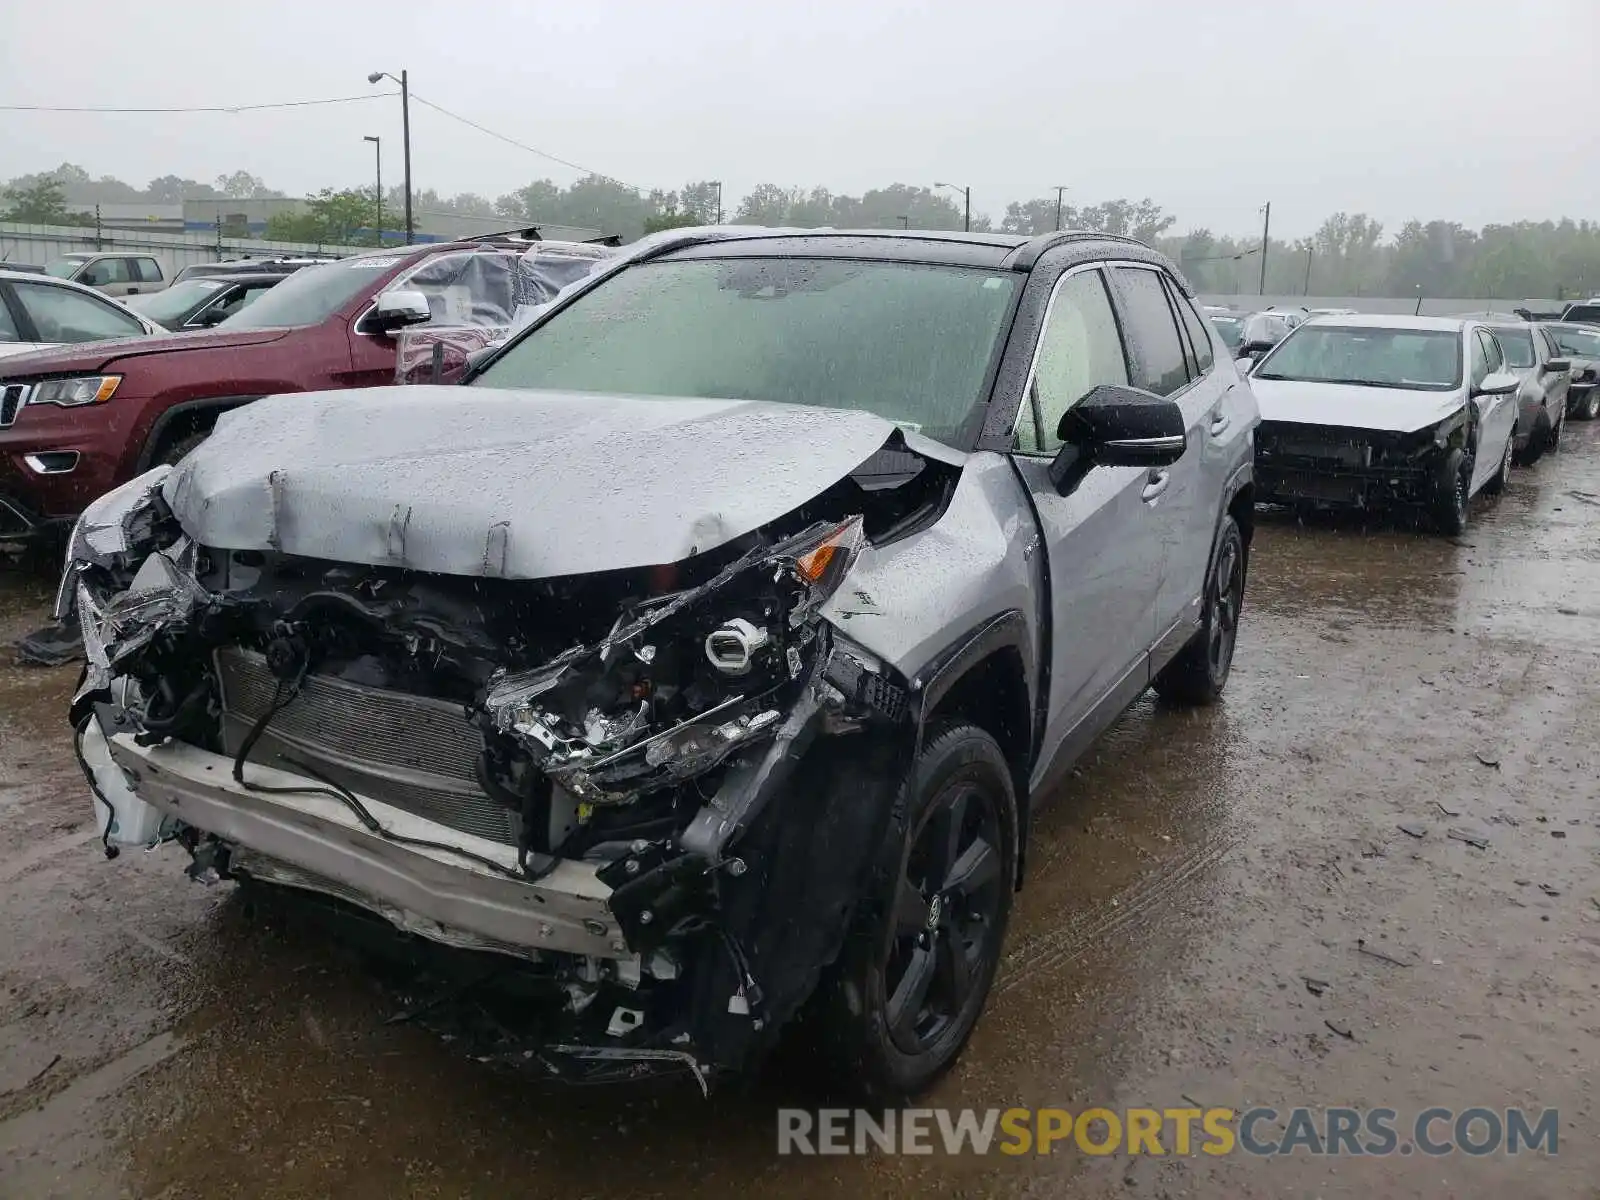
pixel 413 752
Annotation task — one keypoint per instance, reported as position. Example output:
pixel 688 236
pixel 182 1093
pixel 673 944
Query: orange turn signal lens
pixel 832 553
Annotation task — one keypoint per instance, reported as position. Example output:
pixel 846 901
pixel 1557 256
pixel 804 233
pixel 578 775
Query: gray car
pixel 1544 376
pixel 1580 346
pixel 704 656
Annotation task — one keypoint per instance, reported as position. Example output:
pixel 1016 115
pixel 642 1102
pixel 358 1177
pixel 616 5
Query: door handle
pixel 1155 485
pixel 1220 423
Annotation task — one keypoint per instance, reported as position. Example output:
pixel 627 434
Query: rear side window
pixel 1199 334
pixel 1157 349
pixel 1582 312
pixel 149 270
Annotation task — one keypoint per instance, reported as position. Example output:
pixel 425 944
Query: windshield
pixel 1419 359
pixel 1581 342
pixel 1518 345
pixel 174 304
pixel 63 268
pixel 908 342
pixel 312 295
pixel 1231 330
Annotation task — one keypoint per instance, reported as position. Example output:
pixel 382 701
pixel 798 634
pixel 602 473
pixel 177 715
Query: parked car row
pixel 701 649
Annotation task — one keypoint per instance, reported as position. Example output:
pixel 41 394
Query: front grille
pixel 413 752
pixel 12 396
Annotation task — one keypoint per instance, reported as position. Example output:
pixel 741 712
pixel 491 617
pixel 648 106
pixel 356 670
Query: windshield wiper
pixel 1373 383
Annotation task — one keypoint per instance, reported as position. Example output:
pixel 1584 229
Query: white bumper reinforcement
pixel 316 842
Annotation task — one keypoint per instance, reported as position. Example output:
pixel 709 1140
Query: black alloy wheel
pixel 946 917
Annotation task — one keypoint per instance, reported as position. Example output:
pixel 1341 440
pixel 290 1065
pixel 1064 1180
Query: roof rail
pixel 1025 255
pixel 533 233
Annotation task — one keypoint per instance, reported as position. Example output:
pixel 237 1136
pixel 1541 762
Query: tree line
pixel 1348 254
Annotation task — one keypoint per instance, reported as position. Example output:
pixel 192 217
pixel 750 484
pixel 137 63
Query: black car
pixel 204 302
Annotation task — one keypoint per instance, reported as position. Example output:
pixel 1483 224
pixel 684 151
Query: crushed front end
pixel 1342 467
pixel 609 777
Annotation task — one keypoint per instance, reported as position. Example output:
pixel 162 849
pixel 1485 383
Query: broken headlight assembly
pixel 681 681
pixel 115 533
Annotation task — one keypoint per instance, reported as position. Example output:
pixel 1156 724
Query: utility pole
pixel 405 137
pixel 1266 228
pixel 98 245
pixel 377 151
pixel 717 183
pixel 1307 290
pixel 1060 191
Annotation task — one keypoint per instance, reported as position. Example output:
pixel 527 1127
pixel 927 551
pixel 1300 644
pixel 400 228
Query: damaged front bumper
pixel 1334 467
pixel 640 819
pixel 317 843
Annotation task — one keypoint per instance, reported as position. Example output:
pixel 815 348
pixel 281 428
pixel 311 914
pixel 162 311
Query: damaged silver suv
pixel 707 651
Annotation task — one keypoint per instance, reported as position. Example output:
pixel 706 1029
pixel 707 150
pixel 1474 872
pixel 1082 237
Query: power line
pixel 198 108
pixel 511 141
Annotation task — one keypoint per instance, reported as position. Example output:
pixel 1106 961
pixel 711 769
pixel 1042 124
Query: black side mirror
pixel 1257 349
pixel 1557 365
pixel 1116 426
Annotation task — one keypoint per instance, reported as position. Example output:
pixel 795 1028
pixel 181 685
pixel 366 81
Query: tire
pixel 1451 494
pixel 1590 408
pixel 1553 442
pixel 1503 476
pixel 1200 671
pixel 175 451
pixel 895 1012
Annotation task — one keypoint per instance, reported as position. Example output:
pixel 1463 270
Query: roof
pixel 1393 321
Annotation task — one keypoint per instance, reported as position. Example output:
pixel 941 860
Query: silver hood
pixel 1395 410
pixel 507 484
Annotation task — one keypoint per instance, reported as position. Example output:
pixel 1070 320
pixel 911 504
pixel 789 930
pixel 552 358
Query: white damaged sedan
pixel 1377 411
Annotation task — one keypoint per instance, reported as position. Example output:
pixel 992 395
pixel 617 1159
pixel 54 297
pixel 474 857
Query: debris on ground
pixel 1342 1032
pixel 1362 947
pixel 1412 828
pixel 1449 812
pixel 1488 760
pixel 1470 838
pixel 53 645
pixel 1316 986
pixel 1549 889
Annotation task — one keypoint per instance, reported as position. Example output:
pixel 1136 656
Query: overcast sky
pixel 1402 108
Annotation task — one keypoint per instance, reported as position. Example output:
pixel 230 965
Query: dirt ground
pixel 156 1040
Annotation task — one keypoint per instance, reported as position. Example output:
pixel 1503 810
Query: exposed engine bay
pixel 610 770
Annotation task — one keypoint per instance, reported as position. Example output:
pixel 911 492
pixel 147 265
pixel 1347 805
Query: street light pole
pixel 967 193
pixel 1060 191
pixel 1266 227
pixel 405 137
pixel 377 152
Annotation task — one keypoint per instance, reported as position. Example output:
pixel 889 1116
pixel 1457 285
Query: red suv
pixel 77 421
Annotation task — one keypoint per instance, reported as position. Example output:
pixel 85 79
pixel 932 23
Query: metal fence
pixel 38 244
